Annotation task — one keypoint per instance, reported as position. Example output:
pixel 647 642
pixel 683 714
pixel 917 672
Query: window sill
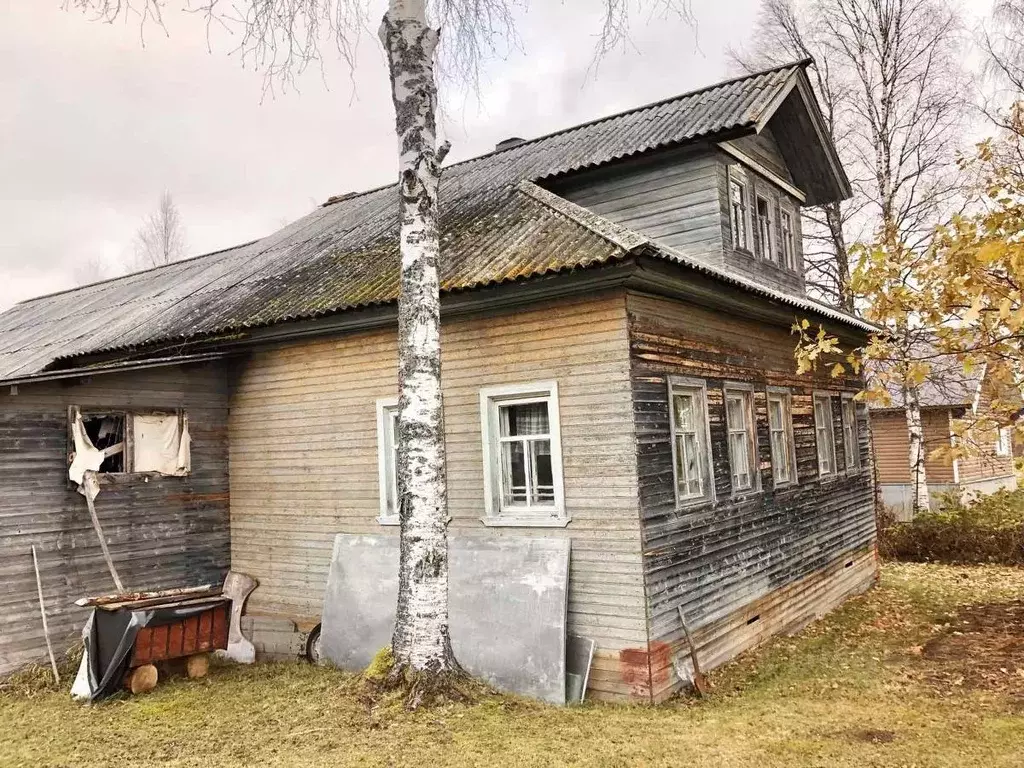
pixel 388 520
pixel 526 522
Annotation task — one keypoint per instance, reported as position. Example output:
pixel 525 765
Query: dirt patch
pixel 871 736
pixel 982 648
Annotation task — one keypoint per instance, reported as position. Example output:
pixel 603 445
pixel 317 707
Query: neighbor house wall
pixel 743 568
pixel 304 458
pixel 162 531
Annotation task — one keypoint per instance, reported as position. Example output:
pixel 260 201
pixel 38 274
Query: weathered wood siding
pixel 745 567
pixel 304 457
pixel 167 532
pixel 671 196
pixel 892 446
pixel 765 150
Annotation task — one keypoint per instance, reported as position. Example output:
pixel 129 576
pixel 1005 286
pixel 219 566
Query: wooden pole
pixel 90 479
pixel 42 612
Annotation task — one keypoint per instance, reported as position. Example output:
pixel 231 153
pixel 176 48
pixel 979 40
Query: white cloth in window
pixel 162 444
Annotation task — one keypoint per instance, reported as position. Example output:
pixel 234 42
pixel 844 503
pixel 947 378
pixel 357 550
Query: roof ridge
pixel 625 238
pixel 526 142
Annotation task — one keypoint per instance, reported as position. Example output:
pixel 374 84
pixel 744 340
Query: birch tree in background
pixel 282 37
pixel 161 238
pixel 895 94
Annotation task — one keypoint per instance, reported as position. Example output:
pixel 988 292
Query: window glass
pixel 788 256
pixel 780 425
pixel 850 443
pixel 526 472
pixel 738 416
pixel 823 434
pixel 689 429
pixel 1004 441
pixel 765 247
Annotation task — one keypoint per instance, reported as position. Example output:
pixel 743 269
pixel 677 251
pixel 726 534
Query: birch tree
pixel 282 37
pixel 161 238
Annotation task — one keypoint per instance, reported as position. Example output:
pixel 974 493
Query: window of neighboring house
pixel 739 418
pixel 851 444
pixel 522 454
pixel 387 459
pixel 765 248
pixel 691 459
pixel 145 441
pixel 738 207
pixel 823 434
pixel 780 425
pixel 1004 441
pixel 788 256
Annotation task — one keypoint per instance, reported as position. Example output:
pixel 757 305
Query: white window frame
pixel 765 247
pixel 1004 441
pixel 851 432
pixel 753 458
pixel 826 397
pixel 387 470
pixel 738 243
pixel 698 387
pixel 784 396
pixel 491 398
pixel 788 237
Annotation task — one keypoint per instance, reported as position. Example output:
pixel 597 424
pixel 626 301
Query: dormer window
pixel 788 243
pixel 764 229
pixel 738 206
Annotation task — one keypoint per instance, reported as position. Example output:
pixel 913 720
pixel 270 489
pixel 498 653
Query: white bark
pixel 421 639
pixel 918 477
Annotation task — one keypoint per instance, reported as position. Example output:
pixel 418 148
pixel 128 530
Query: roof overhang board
pixel 806 145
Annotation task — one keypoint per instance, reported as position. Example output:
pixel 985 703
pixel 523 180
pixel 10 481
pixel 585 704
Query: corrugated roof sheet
pixel 345 255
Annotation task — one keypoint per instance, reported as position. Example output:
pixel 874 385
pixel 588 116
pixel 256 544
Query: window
pixel 765 247
pixel 788 256
pixel 780 426
pixel 1004 441
pixel 739 419
pixel 522 455
pixel 738 208
pixel 851 444
pixel 113 441
pixel 387 460
pixel 824 435
pixel 691 460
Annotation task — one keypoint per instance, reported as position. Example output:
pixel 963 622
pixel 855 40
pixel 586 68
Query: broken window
pixel 824 435
pixel 765 246
pixel 688 410
pixel 106 432
pixel 850 439
pixel 780 425
pixel 147 441
pixel 739 419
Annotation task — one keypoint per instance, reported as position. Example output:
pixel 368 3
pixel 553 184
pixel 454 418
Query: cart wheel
pixel 197 666
pixel 313 645
pixel 143 679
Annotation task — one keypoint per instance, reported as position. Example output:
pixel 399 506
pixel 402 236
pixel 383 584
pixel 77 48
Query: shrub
pixel 987 529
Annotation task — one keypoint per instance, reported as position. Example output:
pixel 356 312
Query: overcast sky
pixel 94 125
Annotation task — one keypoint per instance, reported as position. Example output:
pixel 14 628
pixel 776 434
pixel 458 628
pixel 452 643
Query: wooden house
pixel 955 412
pixel 617 296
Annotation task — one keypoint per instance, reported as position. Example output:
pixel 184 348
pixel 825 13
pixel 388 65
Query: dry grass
pixel 858 688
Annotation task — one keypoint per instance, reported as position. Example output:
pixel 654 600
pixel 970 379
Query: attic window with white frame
pixel 738 212
pixel 823 434
pixel 780 427
pixel 139 441
pixel 387 459
pixel 739 420
pixel 788 256
pixel 765 245
pixel 851 443
pixel 522 455
pixel 691 458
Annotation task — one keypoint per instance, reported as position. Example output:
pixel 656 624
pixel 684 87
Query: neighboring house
pixel 617 302
pixel 952 402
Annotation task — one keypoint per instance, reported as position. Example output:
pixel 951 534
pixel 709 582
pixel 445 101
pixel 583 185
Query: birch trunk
pixel 917 451
pixel 421 641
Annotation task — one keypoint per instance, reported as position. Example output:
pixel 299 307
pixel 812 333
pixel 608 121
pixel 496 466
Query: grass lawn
pixel 925 670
